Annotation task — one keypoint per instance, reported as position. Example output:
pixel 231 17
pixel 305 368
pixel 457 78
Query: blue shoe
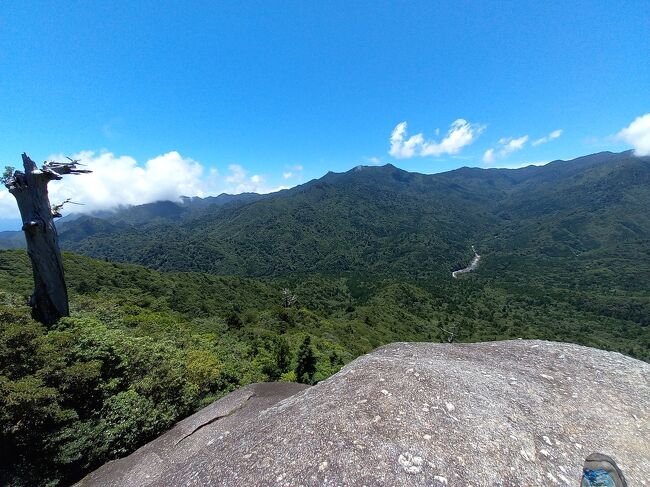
pixel 601 471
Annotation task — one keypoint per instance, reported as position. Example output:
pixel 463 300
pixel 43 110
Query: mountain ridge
pixel 386 219
pixel 225 198
pixel 383 219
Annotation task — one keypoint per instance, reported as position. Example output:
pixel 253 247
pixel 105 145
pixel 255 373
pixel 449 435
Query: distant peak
pixel 373 167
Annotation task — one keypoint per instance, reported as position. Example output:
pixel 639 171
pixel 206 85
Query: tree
pixel 282 354
pixel 306 364
pixel 6 174
pixel 451 331
pixel 233 320
pixel 49 301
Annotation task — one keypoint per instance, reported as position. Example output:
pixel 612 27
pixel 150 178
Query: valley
pixel 175 304
pixel 473 265
pixel 268 244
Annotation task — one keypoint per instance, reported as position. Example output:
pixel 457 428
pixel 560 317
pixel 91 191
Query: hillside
pixel 324 226
pixel 145 348
pixel 368 254
pixel 588 215
pixel 12 240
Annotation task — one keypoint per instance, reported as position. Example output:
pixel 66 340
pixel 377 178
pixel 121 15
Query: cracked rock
pixel 486 431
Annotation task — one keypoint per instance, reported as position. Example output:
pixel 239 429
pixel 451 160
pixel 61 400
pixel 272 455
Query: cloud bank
pixel 508 145
pixel 120 180
pixel 637 134
pixel 460 134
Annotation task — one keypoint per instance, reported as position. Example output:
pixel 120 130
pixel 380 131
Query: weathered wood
pixel 49 302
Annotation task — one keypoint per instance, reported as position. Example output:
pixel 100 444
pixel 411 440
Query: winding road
pixel 472 266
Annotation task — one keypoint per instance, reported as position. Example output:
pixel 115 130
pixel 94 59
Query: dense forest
pixel 292 286
pixel 383 220
pixel 144 348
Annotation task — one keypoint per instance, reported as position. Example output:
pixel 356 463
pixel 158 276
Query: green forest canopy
pixel 368 254
pixel 144 348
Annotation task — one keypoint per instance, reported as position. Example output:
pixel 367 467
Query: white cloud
pixel 239 182
pixel 508 146
pixel 294 171
pixel 460 134
pixel 403 148
pixel 120 180
pixel 237 174
pixel 511 145
pixel 637 134
pixel 8 208
pixel 373 160
pixel 547 138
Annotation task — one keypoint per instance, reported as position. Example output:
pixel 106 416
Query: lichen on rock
pixel 498 413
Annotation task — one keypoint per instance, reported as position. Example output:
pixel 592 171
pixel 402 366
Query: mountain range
pixel 590 214
pixel 386 220
pixel 365 257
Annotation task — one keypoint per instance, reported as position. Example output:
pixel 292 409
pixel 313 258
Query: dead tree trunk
pixel 49 302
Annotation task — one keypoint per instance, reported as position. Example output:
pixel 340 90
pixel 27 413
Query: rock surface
pixel 513 413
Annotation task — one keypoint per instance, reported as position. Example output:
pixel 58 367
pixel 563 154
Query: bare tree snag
pixel 49 302
pixel 288 298
pixel 451 334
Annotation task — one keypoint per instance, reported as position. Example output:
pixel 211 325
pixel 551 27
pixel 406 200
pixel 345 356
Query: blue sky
pixel 258 95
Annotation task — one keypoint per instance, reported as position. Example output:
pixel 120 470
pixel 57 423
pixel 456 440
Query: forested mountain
pixel 389 221
pixel 12 240
pixel 80 226
pixel 367 253
pixel 590 213
pixel 144 348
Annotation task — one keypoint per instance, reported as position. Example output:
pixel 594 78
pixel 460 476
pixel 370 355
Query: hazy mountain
pixel 12 240
pixel 77 226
